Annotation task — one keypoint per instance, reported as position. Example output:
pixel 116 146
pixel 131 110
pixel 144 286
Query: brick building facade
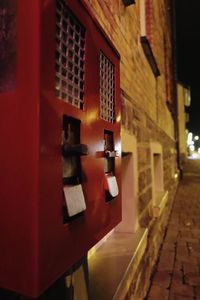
pixel 184 100
pixel 147 114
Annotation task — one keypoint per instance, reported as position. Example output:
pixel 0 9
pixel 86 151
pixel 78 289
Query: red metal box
pixel 60 140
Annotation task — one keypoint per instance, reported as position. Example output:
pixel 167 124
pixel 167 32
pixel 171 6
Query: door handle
pixel 77 149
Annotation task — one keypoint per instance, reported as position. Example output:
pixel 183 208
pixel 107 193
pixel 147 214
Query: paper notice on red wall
pixel 74 198
pixel 112 185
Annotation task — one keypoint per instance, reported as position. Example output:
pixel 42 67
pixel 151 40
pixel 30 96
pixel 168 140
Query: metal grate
pixel 70 56
pixel 107 89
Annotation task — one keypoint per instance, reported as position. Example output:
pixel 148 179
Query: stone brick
pixel 144 219
pixel 145 198
pixel 196 233
pixel 158 292
pixel 194 245
pixel 187 259
pixel 178 266
pixel 180 297
pixel 169 246
pixel 192 279
pixel 197 292
pixel 186 233
pixel 143 135
pixel 166 261
pixel 181 289
pixel 142 180
pixel 143 156
pixel 171 237
pixel 123 113
pixel 148 176
pixel 178 277
pixel 190 268
pixel 182 250
pixel 162 279
pixel 139 116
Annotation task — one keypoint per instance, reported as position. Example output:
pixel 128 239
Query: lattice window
pixel 70 56
pixel 107 89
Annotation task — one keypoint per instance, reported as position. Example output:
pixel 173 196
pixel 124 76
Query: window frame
pixel 146 38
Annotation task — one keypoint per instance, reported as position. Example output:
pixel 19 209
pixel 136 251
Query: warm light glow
pixel 176 175
pixel 198 150
pixel 91 116
pixel 196 137
pixel 93 250
pixel 118 119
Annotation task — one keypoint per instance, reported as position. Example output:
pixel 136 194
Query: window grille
pixel 70 56
pixel 107 89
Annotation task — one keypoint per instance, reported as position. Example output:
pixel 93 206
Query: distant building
pixel 183 101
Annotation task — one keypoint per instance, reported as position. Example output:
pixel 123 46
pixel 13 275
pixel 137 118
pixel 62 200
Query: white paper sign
pixel 112 185
pixel 74 198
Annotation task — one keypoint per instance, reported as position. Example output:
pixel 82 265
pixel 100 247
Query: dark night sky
pixel 188 54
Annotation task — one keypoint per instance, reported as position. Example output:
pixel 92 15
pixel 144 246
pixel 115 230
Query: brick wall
pixel 122 25
pixel 144 113
pixel 139 123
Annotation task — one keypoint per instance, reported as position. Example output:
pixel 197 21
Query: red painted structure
pixel 36 247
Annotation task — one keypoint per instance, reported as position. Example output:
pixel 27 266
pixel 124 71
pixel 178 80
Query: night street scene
pixel 100 150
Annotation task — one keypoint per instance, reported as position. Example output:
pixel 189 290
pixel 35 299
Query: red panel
pixel 36 247
pixel 19 131
pixel 7 45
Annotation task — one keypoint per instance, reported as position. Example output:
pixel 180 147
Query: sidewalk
pixel 177 274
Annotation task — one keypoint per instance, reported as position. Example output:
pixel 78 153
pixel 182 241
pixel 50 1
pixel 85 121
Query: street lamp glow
pixel 192 148
pixel 196 137
pixel 189 138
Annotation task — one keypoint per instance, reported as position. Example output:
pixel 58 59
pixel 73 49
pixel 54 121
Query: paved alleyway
pixel 177 275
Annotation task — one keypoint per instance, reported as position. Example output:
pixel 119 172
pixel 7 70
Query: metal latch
pixel 77 149
pixel 109 153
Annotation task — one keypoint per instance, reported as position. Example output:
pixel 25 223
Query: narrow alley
pixel 177 274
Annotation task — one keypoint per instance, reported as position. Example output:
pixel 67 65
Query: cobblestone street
pixel 177 274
